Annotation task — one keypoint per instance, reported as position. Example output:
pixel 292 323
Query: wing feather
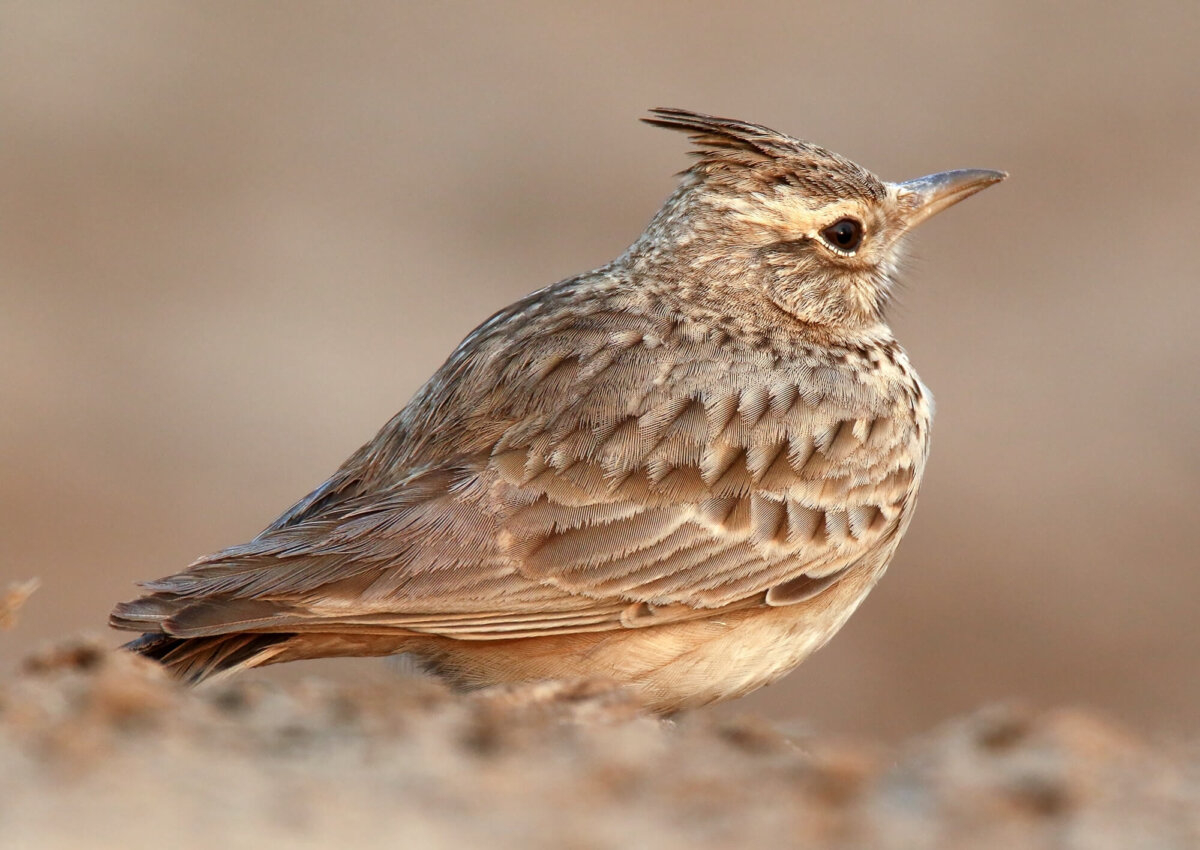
pixel 601 480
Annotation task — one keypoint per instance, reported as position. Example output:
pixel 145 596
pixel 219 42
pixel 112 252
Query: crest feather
pixel 730 147
pixel 711 132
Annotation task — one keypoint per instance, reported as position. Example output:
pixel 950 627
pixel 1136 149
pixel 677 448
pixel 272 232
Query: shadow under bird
pixel 681 472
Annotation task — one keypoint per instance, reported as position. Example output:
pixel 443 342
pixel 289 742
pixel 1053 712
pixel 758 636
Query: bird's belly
pixel 672 666
pixel 729 657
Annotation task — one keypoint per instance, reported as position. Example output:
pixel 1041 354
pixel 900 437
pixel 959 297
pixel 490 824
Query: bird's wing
pixel 607 484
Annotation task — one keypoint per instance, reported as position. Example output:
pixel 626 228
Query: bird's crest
pixel 714 134
pixel 728 145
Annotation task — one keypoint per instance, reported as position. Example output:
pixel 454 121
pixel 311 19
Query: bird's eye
pixel 844 234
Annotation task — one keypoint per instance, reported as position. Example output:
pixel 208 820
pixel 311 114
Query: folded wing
pixel 622 475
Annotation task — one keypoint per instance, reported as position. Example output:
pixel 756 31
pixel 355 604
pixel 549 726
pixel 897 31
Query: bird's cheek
pixel 809 296
pixel 866 295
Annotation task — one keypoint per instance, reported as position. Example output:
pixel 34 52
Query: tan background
pixel 234 238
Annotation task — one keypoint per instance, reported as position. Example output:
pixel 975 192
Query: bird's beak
pixel 927 196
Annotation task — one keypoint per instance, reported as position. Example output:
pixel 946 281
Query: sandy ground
pixel 98 749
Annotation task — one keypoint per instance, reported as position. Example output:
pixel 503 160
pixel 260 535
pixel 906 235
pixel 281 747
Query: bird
pixel 680 472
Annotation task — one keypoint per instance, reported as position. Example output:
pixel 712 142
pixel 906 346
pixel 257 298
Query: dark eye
pixel 844 234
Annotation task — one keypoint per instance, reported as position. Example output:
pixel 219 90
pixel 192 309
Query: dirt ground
pixel 98 749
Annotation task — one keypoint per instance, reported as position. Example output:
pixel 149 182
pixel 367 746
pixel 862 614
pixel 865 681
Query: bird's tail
pixel 201 639
pixel 194 660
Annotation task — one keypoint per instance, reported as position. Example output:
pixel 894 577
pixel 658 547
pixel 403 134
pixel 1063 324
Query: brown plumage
pixel 682 471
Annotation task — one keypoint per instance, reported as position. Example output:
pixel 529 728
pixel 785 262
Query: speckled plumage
pixel 681 471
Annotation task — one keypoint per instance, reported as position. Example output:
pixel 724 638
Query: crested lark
pixel 682 471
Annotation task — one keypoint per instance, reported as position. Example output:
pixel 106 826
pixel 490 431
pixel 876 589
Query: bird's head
pixel 822 235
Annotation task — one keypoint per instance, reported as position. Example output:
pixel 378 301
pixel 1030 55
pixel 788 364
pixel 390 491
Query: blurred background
pixel 235 238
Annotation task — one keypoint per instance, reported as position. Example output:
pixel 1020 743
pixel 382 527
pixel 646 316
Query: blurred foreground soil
pixel 98 749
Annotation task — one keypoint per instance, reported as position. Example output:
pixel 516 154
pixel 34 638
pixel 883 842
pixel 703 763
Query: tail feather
pixel 198 659
pixel 194 660
pixel 141 615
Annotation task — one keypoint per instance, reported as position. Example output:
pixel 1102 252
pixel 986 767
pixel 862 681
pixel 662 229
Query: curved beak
pixel 927 196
